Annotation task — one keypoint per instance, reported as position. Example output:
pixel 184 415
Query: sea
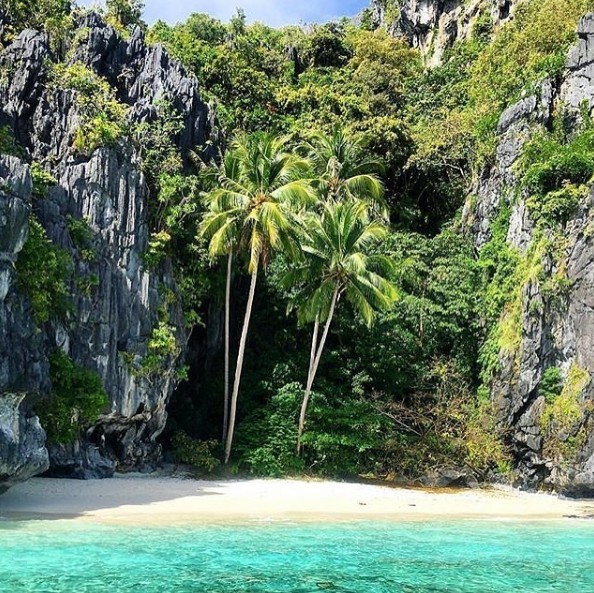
pixel 458 556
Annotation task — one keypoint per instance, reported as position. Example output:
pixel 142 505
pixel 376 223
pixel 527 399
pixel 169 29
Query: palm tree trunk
pixel 314 347
pixel 314 367
pixel 242 342
pixel 312 359
pixel 227 324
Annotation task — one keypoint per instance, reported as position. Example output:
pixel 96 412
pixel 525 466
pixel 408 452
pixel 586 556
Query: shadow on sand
pixel 58 499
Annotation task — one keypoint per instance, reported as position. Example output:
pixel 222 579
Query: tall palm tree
pixel 339 261
pixel 345 171
pixel 222 228
pixel 257 204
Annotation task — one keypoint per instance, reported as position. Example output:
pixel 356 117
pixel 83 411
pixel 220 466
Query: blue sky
pixel 271 12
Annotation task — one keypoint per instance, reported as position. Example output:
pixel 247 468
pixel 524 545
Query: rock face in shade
pixel 116 300
pixel 23 367
pixel 557 330
pixel 433 26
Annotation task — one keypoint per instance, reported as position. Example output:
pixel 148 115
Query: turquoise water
pixel 363 557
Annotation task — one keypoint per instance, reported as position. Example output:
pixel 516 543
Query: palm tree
pixel 345 170
pixel 222 228
pixel 254 210
pixel 339 262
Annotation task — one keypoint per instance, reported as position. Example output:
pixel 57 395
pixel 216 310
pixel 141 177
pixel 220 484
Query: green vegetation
pixel 344 436
pixel 562 416
pixel 551 384
pixel 488 76
pixel 8 143
pixel 555 173
pixel 77 399
pixel 52 16
pixel 162 349
pixel 198 454
pixel 43 270
pixel 123 15
pixel 103 116
pixel 42 180
pixel 342 167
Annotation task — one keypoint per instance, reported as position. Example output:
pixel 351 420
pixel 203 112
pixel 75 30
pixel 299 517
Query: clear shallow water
pixel 362 557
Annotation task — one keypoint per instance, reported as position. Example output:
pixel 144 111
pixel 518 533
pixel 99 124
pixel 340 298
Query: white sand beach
pixel 156 500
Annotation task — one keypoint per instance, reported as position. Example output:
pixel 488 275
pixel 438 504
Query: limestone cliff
pixel 23 365
pixel 433 26
pixel 117 301
pixel 550 431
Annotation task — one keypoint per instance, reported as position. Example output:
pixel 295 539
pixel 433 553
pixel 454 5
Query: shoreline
pixel 155 501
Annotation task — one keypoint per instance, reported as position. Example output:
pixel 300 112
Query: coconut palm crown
pixel 261 187
pixel 261 191
pixel 345 171
pixel 339 261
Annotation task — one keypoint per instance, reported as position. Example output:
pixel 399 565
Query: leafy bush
pixel 42 180
pixel 342 437
pixel 82 237
pixel 155 144
pixel 102 129
pixel 124 15
pixel 8 144
pixel 556 174
pixel 103 116
pixel 162 349
pixel 267 440
pixel 326 47
pixel 52 16
pixel 345 437
pixel 551 384
pixel 195 453
pixel 42 272
pixel 562 419
pixel 77 399
pixel 157 248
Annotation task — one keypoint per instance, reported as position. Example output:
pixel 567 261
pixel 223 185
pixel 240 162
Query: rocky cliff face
pixel 23 365
pixel 117 302
pixel 433 26
pixel 550 432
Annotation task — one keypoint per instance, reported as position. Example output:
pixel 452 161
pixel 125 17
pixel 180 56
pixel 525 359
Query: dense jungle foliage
pixel 405 393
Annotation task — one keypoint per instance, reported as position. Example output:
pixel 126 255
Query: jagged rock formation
pixel 23 367
pixel 556 328
pixel 435 25
pixel 117 301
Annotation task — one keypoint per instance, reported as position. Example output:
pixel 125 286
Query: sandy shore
pixel 154 500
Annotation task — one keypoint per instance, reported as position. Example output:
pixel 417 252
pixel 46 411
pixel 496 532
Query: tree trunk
pixel 314 367
pixel 227 324
pixel 244 332
pixel 314 348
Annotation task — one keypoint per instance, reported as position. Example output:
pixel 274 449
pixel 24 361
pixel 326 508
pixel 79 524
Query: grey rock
pixel 23 367
pixel 450 478
pixel 519 111
pixel 578 86
pixel 497 185
pixel 556 330
pixel 80 461
pixel 433 26
pixel 22 442
pixel 585 27
pixel 117 301
pixel 25 62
